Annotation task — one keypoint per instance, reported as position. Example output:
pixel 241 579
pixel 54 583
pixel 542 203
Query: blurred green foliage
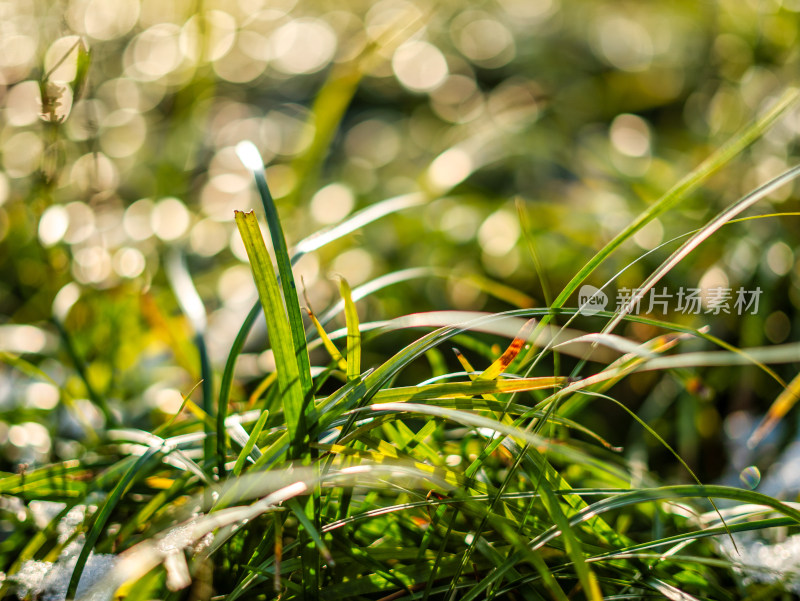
pixel 118 124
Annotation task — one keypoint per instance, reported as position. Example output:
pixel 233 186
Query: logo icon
pixel 591 300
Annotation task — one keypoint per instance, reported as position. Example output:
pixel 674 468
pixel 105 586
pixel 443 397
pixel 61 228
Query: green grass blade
pixel 80 367
pixel 449 390
pixel 249 155
pixel 278 327
pixel 329 107
pixel 586 576
pixel 312 531
pixel 103 514
pixel 357 221
pixel 353 333
pixel 192 306
pixel 683 188
pixel 251 441
pixel 313 242
pixel 226 381
pixel 703 234
pixel 761 524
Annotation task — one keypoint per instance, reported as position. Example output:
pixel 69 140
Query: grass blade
pixel 280 334
pixel 192 306
pixel 80 366
pixel 353 334
pixel 102 517
pixel 327 342
pixel 313 242
pixel 450 390
pixel 502 363
pixel 251 441
pixel 702 235
pixel 683 188
pixel 357 221
pixel 785 401
pixel 249 155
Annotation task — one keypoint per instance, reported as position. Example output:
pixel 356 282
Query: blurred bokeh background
pixel 119 119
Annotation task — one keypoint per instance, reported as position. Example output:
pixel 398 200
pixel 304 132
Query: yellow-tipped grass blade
pixel 785 401
pixel 453 390
pixel 353 333
pixel 261 389
pixel 502 363
pixel 323 335
pixel 328 343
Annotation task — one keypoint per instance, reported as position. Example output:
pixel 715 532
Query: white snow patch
pixel 48 581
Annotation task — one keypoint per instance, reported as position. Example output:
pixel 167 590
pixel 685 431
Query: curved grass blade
pixel 683 188
pixel 780 353
pixel 505 324
pixel 192 306
pixel 451 323
pixel 103 514
pixel 495 289
pixel 357 221
pixel 488 402
pixel 715 224
pixel 762 524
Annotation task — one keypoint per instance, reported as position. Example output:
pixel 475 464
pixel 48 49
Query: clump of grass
pixel 333 481
pixel 436 455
